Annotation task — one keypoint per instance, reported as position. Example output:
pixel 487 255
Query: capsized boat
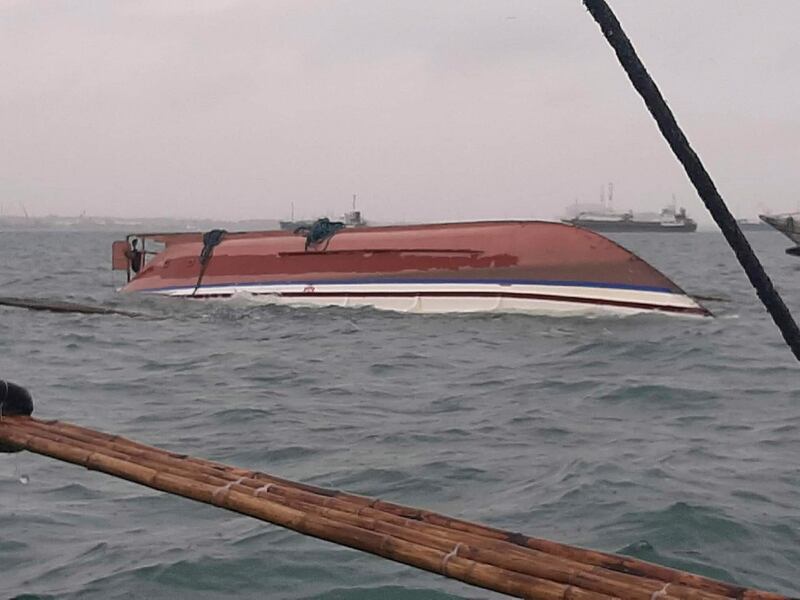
pixel 789 225
pixel 492 266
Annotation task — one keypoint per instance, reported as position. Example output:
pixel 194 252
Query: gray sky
pixel 427 110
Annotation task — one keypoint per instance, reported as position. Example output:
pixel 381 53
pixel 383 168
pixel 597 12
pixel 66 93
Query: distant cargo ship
pixel 669 220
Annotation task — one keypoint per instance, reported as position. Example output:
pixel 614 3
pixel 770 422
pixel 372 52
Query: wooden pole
pixel 611 562
pixel 509 563
pixel 486 550
pixel 416 555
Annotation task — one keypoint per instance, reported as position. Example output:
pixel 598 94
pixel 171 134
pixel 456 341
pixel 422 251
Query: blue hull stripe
pixel 502 282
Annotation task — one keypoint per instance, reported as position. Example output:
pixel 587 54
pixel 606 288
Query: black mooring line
pixel 644 84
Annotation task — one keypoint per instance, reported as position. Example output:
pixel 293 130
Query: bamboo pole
pixel 470 552
pixel 681 580
pixel 461 526
pixel 526 561
pixel 480 549
pixel 447 563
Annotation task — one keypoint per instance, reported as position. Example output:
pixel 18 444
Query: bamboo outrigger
pixel 503 561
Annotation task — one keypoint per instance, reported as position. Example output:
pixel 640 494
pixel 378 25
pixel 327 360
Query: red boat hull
pixel 525 265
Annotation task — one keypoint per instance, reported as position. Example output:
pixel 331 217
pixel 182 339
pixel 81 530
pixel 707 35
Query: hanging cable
pixel 644 84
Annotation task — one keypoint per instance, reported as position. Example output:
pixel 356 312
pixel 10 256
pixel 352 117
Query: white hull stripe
pixel 468 297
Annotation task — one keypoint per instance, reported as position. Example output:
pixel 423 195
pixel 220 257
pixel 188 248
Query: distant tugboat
pixel 350 219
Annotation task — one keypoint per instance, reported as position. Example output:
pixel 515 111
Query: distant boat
pixel 789 225
pixel 352 218
pixel 605 221
pixel 292 225
pixel 490 266
pixel 749 225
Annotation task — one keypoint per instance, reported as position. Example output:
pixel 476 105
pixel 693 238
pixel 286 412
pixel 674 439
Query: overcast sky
pixel 427 110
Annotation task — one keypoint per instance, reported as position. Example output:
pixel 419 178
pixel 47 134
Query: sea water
pixel 673 439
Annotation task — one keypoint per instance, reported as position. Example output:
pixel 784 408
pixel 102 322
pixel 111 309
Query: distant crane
pixel 610 197
pixel 607 204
